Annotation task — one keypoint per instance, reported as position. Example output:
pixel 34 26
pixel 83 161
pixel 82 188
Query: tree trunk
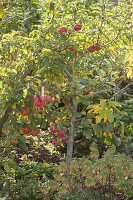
pixel 70 143
pixel 115 2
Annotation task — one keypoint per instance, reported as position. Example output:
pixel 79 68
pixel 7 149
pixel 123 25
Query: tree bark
pixel 5 117
pixel 115 2
pixel 70 143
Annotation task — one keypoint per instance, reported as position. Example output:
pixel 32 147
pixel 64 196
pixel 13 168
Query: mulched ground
pixel 39 155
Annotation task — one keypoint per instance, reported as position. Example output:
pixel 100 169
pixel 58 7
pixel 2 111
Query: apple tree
pixel 70 73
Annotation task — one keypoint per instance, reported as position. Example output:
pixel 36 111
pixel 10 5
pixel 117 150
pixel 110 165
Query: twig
pixel 69 75
pixel 102 21
pixel 122 90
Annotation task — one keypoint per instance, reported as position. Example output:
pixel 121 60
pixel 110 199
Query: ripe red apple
pixel 97 47
pixel 64 139
pixel 53 128
pixel 77 27
pixel 36 98
pixel 73 50
pixel 54 141
pixel 91 49
pixel 61 132
pixel 26 111
pixel 35 132
pixel 38 103
pixel 43 98
pixel 26 130
pixel 49 98
pixel 62 30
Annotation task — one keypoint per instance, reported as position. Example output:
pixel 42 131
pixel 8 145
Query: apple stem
pixel 42 91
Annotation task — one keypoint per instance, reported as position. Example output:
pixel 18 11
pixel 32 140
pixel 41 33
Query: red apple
pixel 36 98
pixel 49 98
pixel 26 111
pixel 91 49
pixel 64 139
pixel 61 132
pixel 35 132
pixel 97 47
pixel 53 128
pixel 77 27
pixel 43 98
pixel 26 130
pixel 62 30
pixel 73 50
pixel 38 103
pixel 54 141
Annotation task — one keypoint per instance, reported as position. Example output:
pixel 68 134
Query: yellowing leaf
pixel 83 113
pixel 2 73
pixel 105 134
pixel 25 92
pixel 110 135
pixel 105 117
pixel 0 84
pixel 102 102
pixel 24 157
pixel 98 119
pixel 24 117
pixel 57 96
pixel 96 109
pixel 45 164
pixel 130 72
pixel 107 142
pixel 47 50
pixel 2 13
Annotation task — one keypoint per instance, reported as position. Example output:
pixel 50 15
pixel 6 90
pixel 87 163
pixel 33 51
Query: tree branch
pixel 122 90
pixel 69 76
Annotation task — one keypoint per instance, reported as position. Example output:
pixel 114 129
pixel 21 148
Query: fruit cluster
pixel 40 101
pixel 59 135
pixel 78 27
pixel 94 48
pixel 29 131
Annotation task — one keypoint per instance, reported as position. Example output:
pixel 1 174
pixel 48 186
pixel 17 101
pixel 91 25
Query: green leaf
pixel 51 7
pixel 22 142
pixel 110 116
pixel 88 133
pixel 80 86
pixel 84 122
pixel 107 128
pixel 97 128
pixel 7 167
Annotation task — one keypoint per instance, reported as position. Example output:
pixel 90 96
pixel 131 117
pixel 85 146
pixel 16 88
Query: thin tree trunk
pixel 5 117
pixel 115 2
pixel 70 144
